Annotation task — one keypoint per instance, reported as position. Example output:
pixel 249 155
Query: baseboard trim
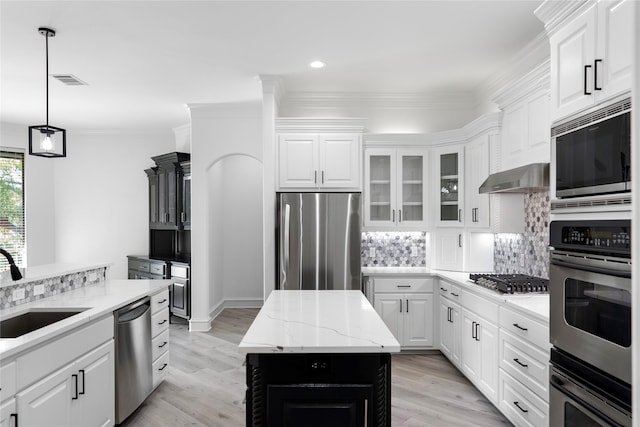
pixel 203 325
pixel 198 325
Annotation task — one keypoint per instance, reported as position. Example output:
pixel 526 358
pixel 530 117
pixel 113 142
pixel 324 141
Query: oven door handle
pixel 608 271
pixel 559 385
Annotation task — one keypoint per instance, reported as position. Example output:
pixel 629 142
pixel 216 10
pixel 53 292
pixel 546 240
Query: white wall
pixel 218 133
pixel 101 196
pixel 39 196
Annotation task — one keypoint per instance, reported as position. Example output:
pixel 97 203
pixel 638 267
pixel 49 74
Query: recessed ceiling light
pixel 317 64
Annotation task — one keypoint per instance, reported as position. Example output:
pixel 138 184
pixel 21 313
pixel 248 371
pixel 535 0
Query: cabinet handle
pixel 162 301
pixel 163 366
pixel 323 177
pixel 14 416
pixel 586 69
pixel 473 328
pixel 163 344
pixel 407 306
pixel 82 372
pixel 443 289
pixel 520 363
pixel 403 286
pixel 400 305
pixel 459 215
pixel 315 177
pixel 459 240
pixel 595 74
pixel 393 219
pixel 75 377
pixel 520 327
pixel 449 314
pixel 163 322
pixel 399 215
pixel 183 217
pixel 455 295
pixel 477 336
pixel 519 407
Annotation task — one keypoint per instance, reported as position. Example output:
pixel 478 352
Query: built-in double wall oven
pixel 590 322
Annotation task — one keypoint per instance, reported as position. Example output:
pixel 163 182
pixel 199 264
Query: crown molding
pixel 486 123
pixel 230 109
pixel 120 132
pixel 553 13
pixel 386 101
pixel 320 124
pixel 537 79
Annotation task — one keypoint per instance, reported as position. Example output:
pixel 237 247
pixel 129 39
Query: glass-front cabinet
pixel 449 173
pixel 395 186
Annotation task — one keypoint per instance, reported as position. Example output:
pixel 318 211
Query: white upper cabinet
pixel 449 166
pixel 395 193
pixel 476 205
pixel 314 161
pixel 319 154
pixel 591 56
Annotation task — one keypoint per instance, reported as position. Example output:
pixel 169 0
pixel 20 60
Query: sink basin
pixel 30 321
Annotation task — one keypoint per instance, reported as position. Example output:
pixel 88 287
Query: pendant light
pixel 46 140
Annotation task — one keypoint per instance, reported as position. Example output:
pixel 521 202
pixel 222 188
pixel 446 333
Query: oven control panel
pixel 606 235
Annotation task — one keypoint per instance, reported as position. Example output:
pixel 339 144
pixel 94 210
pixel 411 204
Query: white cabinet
pixel 455 249
pixel 8 414
pixel 319 161
pixel 479 339
pixel 79 394
pixel 395 188
pixel 406 306
pixel 476 205
pixel 591 57
pixel 450 322
pixel 449 167
pixel 160 336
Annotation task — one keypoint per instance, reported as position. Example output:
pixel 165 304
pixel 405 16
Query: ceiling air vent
pixel 69 79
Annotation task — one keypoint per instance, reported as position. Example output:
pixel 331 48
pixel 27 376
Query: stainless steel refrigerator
pixel 318 241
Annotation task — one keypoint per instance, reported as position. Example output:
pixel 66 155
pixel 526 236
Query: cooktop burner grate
pixel 511 283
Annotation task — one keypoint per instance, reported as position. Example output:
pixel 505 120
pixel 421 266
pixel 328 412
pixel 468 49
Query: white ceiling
pixel 144 61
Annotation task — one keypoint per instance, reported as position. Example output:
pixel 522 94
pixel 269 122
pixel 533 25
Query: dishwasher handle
pixel 133 311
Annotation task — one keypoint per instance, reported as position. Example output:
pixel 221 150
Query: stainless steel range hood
pixel 525 179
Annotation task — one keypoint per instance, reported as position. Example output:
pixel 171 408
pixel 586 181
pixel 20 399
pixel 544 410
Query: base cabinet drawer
pixel 160 368
pixel 404 284
pixel 159 322
pixel 524 327
pixel 159 344
pixel 159 301
pixel 520 405
pixel 525 363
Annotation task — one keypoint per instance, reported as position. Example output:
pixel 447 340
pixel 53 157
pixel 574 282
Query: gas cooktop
pixel 511 283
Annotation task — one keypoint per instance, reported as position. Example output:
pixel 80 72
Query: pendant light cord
pixel 46 38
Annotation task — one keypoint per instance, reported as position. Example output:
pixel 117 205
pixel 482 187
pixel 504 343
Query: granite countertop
pixel 40 272
pixel 309 321
pixel 99 300
pixel 535 305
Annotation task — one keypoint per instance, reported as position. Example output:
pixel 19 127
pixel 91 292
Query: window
pixel 12 208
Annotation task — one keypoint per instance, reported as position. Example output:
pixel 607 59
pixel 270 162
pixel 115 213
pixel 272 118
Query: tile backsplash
pixel 526 253
pixel 52 286
pixel 394 249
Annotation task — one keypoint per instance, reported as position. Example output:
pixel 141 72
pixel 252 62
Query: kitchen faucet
pixel 15 271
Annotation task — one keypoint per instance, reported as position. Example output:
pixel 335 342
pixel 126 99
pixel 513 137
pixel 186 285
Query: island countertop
pixel 325 321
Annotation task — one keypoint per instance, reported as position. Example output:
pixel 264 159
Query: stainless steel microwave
pixel 592 154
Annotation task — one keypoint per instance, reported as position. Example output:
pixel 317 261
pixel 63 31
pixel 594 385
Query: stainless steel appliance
pixel 134 375
pixel 592 153
pixel 590 322
pixel 318 241
pixel 511 283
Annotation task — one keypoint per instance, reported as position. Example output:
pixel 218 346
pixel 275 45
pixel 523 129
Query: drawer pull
pixel 443 289
pixel 15 416
pixel 162 301
pixel 403 286
pixel 163 366
pixel 163 322
pixel 520 407
pixel 163 344
pixel 520 363
pixel 520 327
pixel 75 378
pixel 455 295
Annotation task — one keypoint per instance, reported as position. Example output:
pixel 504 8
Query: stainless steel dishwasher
pixel 134 375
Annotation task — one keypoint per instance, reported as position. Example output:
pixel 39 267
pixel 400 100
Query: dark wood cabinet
pixel 185 216
pixel 166 191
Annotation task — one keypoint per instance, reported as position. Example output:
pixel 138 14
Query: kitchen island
pixel 318 358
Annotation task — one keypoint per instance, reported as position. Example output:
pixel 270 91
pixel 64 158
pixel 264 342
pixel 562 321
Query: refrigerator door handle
pixel 284 265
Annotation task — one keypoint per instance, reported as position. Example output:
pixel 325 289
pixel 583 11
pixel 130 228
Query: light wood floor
pixel 206 384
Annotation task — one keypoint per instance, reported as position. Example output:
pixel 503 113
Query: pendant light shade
pixel 46 140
